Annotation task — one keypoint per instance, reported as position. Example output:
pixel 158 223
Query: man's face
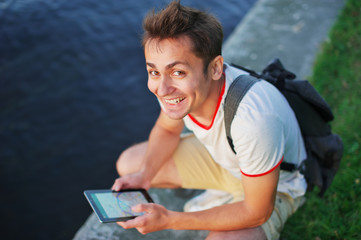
pixel 176 76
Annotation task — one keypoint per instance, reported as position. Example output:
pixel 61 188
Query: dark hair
pixel 203 29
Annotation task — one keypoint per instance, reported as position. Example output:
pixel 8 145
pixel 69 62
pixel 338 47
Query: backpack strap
pixel 235 94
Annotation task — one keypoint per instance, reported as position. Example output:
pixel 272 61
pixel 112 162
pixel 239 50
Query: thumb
pixel 118 184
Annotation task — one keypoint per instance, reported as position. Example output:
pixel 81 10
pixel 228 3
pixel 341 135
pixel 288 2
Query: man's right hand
pixel 133 180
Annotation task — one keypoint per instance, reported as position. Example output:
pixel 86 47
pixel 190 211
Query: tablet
pixel 110 206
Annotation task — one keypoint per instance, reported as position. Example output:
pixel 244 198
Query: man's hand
pixel 156 218
pixel 133 180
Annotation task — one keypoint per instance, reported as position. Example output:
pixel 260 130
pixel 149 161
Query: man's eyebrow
pixel 152 65
pixel 176 63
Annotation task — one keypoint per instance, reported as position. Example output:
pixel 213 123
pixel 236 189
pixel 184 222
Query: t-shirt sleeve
pixel 259 142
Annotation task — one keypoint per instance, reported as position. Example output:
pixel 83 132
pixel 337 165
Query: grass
pixel 337 76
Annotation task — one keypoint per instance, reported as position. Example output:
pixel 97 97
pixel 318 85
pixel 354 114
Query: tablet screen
pixel 116 206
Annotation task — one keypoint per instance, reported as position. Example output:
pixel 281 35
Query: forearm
pixel 163 141
pixel 223 218
pixel 254 210
pixel 161 146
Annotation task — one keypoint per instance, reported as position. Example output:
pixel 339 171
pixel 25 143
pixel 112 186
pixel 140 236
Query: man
pixel 187 74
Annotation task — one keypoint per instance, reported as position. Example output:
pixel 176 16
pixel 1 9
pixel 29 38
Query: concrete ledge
pixel 292 30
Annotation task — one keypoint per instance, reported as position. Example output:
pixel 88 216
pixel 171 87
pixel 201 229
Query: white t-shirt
pixel 264 130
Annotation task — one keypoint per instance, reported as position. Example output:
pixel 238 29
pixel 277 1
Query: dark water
pixel 73 95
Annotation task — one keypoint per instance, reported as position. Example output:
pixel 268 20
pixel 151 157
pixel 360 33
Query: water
pixel 73 95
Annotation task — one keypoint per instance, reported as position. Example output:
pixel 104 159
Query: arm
pixel 253 211
pixel 162 142
pixel 256 208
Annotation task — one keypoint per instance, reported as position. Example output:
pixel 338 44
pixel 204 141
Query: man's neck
pixel 206 117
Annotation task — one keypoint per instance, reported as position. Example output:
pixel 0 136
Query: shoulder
pixel 261 91
pixel 262 108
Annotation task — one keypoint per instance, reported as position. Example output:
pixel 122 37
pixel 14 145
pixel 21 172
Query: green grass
pixel 337 76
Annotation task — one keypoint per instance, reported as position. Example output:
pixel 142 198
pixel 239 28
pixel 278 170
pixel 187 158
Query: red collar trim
pixel 215 113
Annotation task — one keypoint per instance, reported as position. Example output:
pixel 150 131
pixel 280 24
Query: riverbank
pixel 336 74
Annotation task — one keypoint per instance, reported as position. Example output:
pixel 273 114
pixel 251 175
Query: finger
pixel 148 208
pixel 121 224
pixel 134 223
pixel 117 185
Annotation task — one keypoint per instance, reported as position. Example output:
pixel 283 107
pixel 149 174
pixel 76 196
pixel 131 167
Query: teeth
pixel 174 101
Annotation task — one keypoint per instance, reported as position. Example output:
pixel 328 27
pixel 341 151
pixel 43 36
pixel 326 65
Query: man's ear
pixel 217 67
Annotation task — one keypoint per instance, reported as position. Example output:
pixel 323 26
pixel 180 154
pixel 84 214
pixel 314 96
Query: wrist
pixel 147 178
pixel 172 222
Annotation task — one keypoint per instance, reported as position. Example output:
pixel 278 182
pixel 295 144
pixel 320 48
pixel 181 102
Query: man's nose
pixel 164 87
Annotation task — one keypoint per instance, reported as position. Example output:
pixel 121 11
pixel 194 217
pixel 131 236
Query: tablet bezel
pixel 95 207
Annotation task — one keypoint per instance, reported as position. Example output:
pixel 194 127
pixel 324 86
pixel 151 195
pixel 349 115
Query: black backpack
pixel 324 149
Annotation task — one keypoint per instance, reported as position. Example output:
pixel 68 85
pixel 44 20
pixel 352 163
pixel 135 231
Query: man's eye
pixel 178 73
pixel 153 73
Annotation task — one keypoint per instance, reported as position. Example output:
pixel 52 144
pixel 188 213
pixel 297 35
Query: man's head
pixel 204 30
pixel 182 49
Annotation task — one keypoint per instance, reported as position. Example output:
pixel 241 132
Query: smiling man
pixel 186 73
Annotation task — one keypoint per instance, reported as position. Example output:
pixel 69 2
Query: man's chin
pixel 175 115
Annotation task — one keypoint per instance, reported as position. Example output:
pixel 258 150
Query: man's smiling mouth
pixel 174 100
